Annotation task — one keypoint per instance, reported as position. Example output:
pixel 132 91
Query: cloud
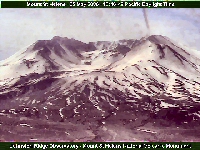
pixel 21 27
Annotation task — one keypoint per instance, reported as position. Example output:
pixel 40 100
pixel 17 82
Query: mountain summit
pixel 124 84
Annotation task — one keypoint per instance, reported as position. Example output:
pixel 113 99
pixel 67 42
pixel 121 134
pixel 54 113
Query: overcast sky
pixel 22 27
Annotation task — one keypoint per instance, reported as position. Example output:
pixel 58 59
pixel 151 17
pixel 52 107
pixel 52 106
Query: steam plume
pixel 146 21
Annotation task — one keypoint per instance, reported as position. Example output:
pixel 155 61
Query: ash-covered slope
pixel 128 82
pixel 45 55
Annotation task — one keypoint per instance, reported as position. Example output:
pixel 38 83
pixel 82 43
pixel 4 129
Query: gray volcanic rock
pixel 141 87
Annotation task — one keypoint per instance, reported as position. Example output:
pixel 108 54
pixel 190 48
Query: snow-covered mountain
pixel 132 82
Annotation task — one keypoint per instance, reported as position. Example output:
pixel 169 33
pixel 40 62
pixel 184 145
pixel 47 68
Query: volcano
pixel 128 90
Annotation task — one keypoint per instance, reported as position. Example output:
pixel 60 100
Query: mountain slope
pixel 128 82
